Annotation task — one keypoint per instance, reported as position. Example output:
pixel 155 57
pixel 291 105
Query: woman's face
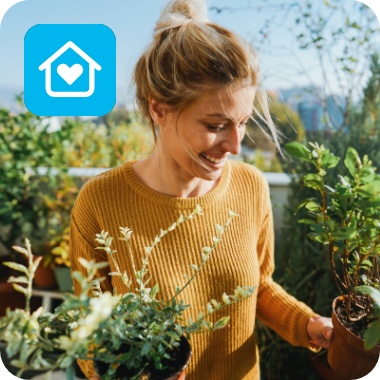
pixel 197 141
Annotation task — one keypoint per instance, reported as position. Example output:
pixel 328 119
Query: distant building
pixel 310 109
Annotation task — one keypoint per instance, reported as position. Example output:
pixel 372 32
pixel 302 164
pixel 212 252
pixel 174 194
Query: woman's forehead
pixel 222 102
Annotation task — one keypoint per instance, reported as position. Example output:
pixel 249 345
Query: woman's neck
pixel 164 177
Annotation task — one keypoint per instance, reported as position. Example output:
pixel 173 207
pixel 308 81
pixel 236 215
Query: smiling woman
pixel 194 143
pixel 196 84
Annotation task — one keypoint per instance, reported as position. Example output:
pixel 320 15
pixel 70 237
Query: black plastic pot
pixel 179 364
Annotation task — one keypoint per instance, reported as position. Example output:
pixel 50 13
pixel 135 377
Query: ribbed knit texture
pixel 244 257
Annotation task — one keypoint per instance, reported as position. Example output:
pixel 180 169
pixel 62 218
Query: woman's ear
pixel 158 111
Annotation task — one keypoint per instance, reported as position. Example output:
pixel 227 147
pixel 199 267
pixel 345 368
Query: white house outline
pixel 67 94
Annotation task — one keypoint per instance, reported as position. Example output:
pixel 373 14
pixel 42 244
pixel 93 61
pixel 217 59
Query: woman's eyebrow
pixel 224 116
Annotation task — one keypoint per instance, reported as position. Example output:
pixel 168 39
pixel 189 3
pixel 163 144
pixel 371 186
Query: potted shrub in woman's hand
pixel 345 217
pixel 133 335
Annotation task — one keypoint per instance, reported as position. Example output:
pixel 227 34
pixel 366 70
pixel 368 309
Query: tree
pixel 329 45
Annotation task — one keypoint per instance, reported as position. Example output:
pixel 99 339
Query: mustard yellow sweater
pixel 244 257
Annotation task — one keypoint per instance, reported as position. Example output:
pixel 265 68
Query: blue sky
pixel 133 21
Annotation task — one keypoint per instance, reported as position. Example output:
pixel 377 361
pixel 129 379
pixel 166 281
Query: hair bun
pixel 180 12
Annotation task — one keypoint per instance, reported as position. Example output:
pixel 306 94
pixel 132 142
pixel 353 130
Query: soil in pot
pixel 175 368
pixel 346 355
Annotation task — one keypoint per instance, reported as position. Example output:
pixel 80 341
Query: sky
pixel 132 23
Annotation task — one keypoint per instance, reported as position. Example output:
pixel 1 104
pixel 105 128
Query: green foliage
pixel 26 145
pixel 300 267
pixel 122 138
pixel 37 202
pixel 345 218
pixel 345 215
pixel 372 335
pixel 98 326
pixel 284 117
pixel 288 123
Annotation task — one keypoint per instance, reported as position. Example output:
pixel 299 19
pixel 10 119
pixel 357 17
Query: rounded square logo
pixel 69 69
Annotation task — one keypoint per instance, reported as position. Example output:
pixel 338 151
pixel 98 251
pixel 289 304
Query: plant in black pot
pixel 345 217
pixel 133 335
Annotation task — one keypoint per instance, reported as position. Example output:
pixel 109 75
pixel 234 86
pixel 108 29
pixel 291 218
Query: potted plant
pixel 345 218
pixel 133 335
pixel 59 260
pixel 31 172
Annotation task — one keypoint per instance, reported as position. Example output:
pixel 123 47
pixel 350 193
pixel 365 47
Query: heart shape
pixel 70 74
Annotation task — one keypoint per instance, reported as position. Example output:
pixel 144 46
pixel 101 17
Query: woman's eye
pixel 215 128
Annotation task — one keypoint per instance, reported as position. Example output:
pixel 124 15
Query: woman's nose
pixel 232 139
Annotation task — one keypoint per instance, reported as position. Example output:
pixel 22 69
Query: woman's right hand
pixel 95 378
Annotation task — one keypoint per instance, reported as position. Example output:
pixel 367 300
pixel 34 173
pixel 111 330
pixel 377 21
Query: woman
pixel 196 84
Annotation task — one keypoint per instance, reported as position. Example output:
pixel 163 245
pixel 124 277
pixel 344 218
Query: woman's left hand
pixel 320 331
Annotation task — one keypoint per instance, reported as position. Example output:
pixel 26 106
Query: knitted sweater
pixel 244 257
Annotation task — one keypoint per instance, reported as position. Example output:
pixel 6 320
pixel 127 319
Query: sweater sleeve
pixel 276 308
pixel 83 229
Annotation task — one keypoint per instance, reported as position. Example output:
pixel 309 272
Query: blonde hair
pixel 190 55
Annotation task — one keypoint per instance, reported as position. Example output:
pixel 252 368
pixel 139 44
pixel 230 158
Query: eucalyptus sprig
pixel 28 272
pixel 134 329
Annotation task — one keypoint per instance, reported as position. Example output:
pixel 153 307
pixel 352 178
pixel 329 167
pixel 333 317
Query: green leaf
pixel 19 279
pixel 19 288
pixel 298 150
pixel 146 348
pixel 155 290
pixel 194 267
pixel 221 323
pixel 329 160
pixel 306 221
pixel 367 263
pixel 312 206
pixel 318 237
pixel 313 180
pixel 174 336
pixel 318 228
pixel 372 335
pixel 15 266
pixel 70 373
pixel 370 291
pixel 370 189
pixel 352 161
pixel 345 233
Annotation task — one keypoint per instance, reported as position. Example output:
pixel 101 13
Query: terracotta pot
pixel 44 277
pixel 322 368
pixel 346 355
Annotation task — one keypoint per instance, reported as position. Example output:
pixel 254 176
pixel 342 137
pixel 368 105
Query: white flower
pixel 226 299
pixel 101 309
pixel 172 227
pixel 65 342
pixel 126 232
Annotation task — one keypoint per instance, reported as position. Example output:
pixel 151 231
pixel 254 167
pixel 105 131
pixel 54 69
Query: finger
pixel 328 333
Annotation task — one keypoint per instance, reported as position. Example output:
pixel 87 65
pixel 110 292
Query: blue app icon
pixel 69 69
